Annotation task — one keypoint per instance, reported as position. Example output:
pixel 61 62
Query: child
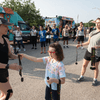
pixel 54 69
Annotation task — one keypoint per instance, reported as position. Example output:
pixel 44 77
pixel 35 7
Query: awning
pixel 8 10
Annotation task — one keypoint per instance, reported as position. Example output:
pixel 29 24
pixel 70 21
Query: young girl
pixel 54 69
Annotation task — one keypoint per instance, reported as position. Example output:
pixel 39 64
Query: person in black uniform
pixel 5 53
pixel 74 31
pixel 48 36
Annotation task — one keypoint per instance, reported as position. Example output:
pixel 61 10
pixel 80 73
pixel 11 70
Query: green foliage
pixel 59 17
pixel 89 24
pixel 26 9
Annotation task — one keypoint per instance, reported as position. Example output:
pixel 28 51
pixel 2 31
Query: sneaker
pixel 63 46
pixel 24 49
pixel 17 48
pixel 41 52
pixel 94 83
pixel 35 47
pixel 32 48
pixel 67 46
pixel 80 79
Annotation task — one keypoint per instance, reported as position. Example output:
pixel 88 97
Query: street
pixel 33 87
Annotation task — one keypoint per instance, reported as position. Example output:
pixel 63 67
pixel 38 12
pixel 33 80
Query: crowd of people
pixel 45 35
pixel 54 66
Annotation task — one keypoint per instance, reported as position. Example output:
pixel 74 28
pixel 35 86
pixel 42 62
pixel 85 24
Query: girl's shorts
pixel 48 95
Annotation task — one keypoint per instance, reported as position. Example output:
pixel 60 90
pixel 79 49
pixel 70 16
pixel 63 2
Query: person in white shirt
pixel 18 38
pixel 33 37
pixel 65 35
pixel 80 34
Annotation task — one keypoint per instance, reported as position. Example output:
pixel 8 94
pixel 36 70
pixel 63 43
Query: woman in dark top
pixel 33 37
pixel 74 31
pixel 5 53
pixel 48 36
pixel 70 32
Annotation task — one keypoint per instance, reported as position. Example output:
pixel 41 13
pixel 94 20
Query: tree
pixel 89 24
pixel 26 9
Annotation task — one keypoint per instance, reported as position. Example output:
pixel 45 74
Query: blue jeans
pixel 20 42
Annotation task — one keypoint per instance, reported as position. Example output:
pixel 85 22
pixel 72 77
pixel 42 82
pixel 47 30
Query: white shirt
pixel 17 35
pixel 80 33
pixel 65 31
pixel 33 32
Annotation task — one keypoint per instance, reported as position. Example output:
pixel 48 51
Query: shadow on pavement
pixel 38 69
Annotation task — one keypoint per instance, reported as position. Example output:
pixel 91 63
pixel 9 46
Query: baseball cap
pixel 18 27
pixel 4 21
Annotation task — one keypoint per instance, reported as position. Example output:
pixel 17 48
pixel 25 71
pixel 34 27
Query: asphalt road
pixel 33 87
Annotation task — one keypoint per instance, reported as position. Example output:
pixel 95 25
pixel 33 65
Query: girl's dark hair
pixel 58 51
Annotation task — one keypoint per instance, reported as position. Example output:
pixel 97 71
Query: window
pixel 24 27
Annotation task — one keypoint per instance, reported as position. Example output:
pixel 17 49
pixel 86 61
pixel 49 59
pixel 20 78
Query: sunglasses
pixel 51 51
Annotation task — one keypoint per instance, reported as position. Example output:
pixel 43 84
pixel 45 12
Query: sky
pixel 79 10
